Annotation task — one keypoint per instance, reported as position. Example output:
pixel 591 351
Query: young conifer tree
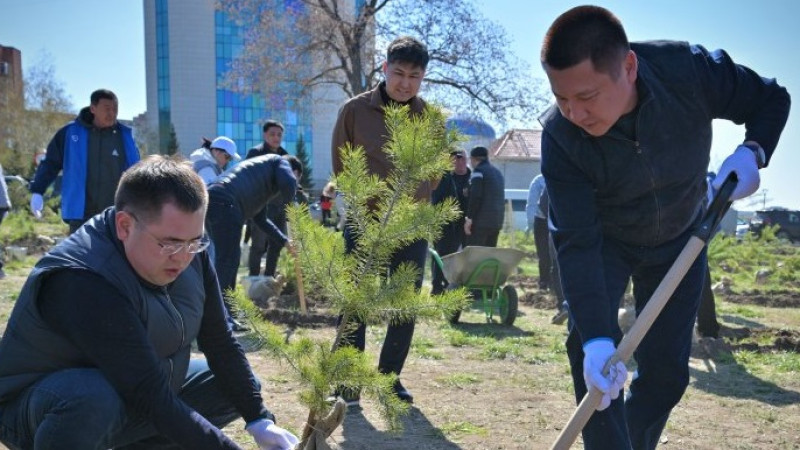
pixel 384 216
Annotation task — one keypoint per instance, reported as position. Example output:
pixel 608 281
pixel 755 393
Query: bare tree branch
pixel 320 42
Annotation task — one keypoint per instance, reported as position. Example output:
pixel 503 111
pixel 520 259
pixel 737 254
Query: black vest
pixel 171 314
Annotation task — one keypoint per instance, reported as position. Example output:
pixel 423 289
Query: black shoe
pixel 560 317
pixel 238 327
pixel 708 334
pixel 402 393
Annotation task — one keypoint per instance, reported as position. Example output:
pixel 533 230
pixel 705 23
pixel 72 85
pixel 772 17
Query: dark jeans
pixel 398 335
pixel 261 244
pixel 707 325
pixel 541 238
pixel 78 408
pixel 555 274
pixel 224 224
pixel 452 239
pixel 663 355
pixel 483 237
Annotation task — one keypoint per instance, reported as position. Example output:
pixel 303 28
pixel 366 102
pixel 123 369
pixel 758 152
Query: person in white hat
pixel 211 159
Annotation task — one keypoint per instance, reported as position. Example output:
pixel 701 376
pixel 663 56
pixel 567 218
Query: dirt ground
pixel 466 401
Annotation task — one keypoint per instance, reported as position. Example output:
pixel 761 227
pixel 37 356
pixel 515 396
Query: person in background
pixel 455 185
pixel 625 151
pixel 5 206
pixel 361 122
pixel 211 159
pixel 707 324
pixel 261 243
pixel 485 212
pixel 98 349
pixel 240 194
pixel 537 221
pixel 326 203
pixel 91 152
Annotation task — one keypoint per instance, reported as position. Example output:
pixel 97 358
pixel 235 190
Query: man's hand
pixel 269 436
pixel 37 204
pixel 468 226
pixel 743 163
pixel 596 354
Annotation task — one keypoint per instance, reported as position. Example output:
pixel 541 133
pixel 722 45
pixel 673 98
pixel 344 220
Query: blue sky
pixel 100 43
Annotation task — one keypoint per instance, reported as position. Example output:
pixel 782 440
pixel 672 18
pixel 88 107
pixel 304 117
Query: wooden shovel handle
pixel 300 289
pixel 632 339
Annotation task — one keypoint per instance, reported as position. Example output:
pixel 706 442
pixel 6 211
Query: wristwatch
pixel 761 157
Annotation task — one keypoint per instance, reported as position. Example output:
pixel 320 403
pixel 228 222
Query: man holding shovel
pixel 624 154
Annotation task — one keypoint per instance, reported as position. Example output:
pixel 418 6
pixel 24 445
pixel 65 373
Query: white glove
pixel 37 204
pixel 269 436
pixel 743 163
pixel 596 354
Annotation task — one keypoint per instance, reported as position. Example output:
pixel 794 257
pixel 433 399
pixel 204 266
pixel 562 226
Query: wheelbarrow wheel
pixel 509 303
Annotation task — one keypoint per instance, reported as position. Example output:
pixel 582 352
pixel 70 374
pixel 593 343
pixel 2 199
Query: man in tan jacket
pixel 361 122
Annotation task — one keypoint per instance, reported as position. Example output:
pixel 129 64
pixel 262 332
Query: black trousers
pixel 707 325
pixel 261 244
pixel 541 237
pixel 398 335
pixel 452 239
pixel 483 237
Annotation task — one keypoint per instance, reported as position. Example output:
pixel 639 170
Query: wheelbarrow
pixel 484 271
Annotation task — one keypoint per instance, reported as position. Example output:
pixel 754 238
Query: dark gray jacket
pixel 253 183
pixel 486 197
pixel 643 185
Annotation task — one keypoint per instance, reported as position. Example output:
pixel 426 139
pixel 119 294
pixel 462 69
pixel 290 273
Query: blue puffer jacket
pixel 646 191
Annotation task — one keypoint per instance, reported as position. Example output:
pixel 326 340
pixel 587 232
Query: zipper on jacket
pixel 183 331
pixel 178 314
pixel 637 145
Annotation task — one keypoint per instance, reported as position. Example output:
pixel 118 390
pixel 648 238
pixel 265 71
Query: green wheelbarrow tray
pixel 484 269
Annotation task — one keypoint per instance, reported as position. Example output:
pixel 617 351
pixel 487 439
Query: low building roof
pixel 519 144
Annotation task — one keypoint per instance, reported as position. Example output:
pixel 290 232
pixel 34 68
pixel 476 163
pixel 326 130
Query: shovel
pixel 657 301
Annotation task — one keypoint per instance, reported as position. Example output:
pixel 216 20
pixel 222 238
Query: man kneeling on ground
pixel 97 350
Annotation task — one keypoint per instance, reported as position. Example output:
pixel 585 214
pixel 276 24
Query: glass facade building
pixel 238 116
pixel 241 117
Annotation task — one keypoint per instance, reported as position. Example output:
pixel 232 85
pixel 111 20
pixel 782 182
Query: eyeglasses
pixel 456 155
pixel 172 248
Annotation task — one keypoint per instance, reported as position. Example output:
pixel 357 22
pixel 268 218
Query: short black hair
pixel 479 152
pixel 157 180
pixel 295 162
pixel 586 32
pixel 101 94
pixel 272 123
pixel 407 49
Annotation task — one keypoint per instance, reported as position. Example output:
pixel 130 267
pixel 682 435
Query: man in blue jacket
pixel 92 151
pixel 625 152
pixel 97 352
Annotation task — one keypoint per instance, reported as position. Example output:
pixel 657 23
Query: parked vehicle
pixel 788 222
pixel 516 199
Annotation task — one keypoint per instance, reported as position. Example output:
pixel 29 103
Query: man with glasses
pixel 240 194
pixel 97 349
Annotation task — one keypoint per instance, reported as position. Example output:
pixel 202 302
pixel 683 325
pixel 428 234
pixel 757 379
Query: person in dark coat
pixel 486 210
pixel 242 193
pixel 454 184
pixel 260 242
